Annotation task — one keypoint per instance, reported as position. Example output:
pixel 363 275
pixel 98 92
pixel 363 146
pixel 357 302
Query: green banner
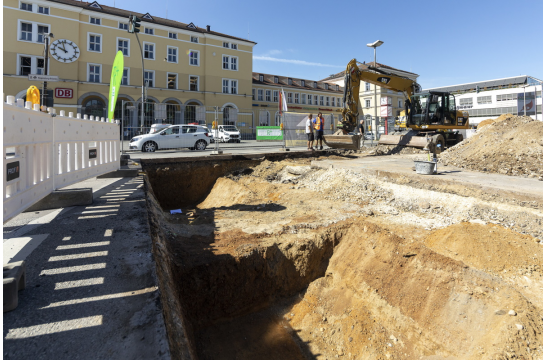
pixel 269 133
pixel 115 83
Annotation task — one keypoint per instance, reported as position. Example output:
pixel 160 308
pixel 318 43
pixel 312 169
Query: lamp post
pixel 375 45
pixel 47 37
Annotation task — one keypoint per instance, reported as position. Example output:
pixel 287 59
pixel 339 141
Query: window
pixel 148 31
pixel 148 78
pixel 94 43
pixel 94 73
pixel 125 78
pixel 94 20
pixel 275 96
pixel 253 94
pixel 367 103
pixel 367 86
pixel 231 63
pixel 42 30
pixel 234 46
pixel 259 94
pixel 303 98
pixel 327 100
pixel 43 10
pixel 290 98
pixel 149 51
pixel 315 85
pixel 466 102
pixel 309 97
pixel 338 102
pixel 326 86
pixel 302 82
pixel 321 101
pixel 172 54
pixel 194 39
pixel 296 98
pixel 25 6
pixel 276 79
pixel 399 103
pixel 123 26
pixel 315 99
pixel 226 45
pixel 123 46
pixel 503 97
pixel 172 81
pixel 229 86
pixel 26 32
pixel 193 57
pixel 30 65
pixel 336 87
pixel 172 35
pixel 268 95
pixel 290 81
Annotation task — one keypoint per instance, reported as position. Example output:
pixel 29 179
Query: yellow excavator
pixel 430 118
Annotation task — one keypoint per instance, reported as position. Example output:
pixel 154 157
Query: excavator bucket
pixel 348 142
pixel 404 140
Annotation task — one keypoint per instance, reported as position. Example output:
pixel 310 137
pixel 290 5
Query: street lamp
pixel 47 38
pixel 375 45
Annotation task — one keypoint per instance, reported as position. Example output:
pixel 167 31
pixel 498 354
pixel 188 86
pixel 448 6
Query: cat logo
pixel 384 79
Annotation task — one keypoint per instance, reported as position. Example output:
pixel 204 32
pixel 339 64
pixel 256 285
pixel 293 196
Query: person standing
pixel 361 130
pixel 310 132
pixel 319 126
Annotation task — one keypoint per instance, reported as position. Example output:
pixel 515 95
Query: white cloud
pixel 289 61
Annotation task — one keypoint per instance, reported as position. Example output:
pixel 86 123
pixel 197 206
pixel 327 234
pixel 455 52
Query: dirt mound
pixel 484 123
pixel 511 145
pixel 395 149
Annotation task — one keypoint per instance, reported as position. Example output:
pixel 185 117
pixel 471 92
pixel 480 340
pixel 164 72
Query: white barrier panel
pixel 43 153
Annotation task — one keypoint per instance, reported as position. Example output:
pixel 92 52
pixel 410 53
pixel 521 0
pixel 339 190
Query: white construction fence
pixel 44 151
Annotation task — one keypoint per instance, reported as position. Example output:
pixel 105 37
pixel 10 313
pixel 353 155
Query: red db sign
pixel 64 93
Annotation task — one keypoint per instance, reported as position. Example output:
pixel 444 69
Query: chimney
pixel 208 28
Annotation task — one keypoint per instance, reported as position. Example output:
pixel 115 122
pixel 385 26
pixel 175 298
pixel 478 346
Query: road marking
pixel 54 327
pixel 108 232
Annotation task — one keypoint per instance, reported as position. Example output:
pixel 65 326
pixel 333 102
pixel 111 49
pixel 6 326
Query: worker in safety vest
pixel 319 126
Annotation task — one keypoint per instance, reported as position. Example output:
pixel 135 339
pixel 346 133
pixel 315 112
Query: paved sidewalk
pixel 91 290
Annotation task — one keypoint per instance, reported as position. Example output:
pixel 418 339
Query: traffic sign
pixel 43 77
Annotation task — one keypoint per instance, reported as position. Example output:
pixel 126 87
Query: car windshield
pixel 230 128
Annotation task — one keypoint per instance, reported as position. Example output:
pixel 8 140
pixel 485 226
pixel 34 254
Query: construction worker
pixel 319 126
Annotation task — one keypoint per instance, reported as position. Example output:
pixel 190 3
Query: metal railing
pixel 44 152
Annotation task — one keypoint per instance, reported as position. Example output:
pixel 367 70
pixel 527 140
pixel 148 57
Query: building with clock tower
pixel 186 66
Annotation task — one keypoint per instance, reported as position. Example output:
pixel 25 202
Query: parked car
pixel 227 133
pixel 192 137
pixel 209 132
pixel 158 127
pixel 369 136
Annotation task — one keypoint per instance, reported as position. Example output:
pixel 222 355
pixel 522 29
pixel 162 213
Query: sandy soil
pixel 414 273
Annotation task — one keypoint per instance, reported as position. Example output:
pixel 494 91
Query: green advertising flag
pixel 115 83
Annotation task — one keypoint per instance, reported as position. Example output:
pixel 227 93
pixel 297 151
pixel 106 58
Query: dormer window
pixel 336 87
pixel 276 79
pixel 290 81
pixel 261 78
pixel 315 85
pixel 302 82
pixel 327 86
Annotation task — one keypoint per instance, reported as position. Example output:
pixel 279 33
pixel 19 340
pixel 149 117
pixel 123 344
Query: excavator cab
pixel 432 110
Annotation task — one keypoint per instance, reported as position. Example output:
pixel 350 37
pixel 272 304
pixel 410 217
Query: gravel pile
pixel 511 145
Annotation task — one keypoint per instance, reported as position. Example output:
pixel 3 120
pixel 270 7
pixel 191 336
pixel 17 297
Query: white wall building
pixel 518 95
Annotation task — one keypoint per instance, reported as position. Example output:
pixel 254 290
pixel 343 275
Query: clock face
pixel 64 51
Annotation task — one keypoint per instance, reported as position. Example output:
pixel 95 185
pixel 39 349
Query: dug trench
pixel 272 258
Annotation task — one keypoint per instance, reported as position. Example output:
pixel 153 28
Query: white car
pixel 176 136
pixel 227 133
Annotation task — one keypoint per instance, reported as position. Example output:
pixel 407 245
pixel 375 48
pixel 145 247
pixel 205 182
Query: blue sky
pixel 445 42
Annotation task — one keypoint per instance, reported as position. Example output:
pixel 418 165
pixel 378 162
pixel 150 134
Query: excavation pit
pixel 272 258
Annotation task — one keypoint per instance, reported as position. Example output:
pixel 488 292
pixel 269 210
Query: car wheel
pixel 238 141
pixel 150 146
pixel 200 145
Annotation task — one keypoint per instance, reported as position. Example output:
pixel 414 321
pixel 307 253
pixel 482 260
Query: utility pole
pixel 374 46
pixel 46 65
pixel 134 25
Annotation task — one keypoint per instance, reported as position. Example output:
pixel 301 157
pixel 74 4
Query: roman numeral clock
pixel 64 51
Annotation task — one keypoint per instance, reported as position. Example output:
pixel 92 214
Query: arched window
pixel 173 112
pixel 190 114
pixel 149 113
pixel 94 107
pixel 229 115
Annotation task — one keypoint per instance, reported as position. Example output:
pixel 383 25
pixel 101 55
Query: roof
pixel 268 79
pixel 514 80
pixel 146 18
pixel 365 66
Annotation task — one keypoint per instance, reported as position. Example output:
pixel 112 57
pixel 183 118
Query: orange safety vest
pixel 319 125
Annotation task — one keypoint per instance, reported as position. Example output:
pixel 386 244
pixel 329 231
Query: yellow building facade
pixel 185 66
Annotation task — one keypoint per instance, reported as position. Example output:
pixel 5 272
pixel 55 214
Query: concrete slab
pixel 18 249
pixel 396 166
pixel 64 198
pixel 14 278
